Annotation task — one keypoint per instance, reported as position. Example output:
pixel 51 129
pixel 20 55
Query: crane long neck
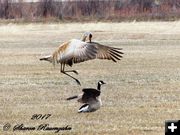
pixel 84 38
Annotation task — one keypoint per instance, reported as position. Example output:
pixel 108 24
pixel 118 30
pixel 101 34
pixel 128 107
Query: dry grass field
pixel 142 90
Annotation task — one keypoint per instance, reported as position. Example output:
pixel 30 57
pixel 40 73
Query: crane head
pixel 47 58
pixel 87 35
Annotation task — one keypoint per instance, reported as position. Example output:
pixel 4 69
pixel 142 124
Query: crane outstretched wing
pixel 106 52
pixel 77 51
pixel 84 52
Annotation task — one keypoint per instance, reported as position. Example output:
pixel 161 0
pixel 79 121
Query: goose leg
pixel 64 72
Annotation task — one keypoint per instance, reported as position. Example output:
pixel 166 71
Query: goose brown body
pixel 90 97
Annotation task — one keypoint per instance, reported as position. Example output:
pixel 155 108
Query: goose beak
pixel 103 83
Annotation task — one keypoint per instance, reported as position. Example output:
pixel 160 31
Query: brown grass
pixel 142 90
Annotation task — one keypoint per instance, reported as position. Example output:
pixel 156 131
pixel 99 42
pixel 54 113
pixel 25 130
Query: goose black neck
pixel 99 86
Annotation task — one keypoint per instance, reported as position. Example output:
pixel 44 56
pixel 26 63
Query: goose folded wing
pixel 91 92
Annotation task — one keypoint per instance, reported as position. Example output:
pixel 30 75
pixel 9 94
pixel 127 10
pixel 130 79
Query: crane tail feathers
pixel 47 58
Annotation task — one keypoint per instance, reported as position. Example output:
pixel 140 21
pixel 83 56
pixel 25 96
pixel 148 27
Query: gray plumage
pixel 76 51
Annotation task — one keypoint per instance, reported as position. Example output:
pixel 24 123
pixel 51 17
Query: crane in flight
pixel 76 51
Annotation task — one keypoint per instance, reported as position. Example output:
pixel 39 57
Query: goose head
pixel 99 84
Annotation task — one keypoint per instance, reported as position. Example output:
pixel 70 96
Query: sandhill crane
pixel 76 51
pixel 90 97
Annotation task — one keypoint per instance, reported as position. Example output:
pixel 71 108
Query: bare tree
pixel 90 9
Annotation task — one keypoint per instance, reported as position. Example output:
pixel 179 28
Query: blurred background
pixel 89 10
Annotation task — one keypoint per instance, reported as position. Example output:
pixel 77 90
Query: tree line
pixel 90 10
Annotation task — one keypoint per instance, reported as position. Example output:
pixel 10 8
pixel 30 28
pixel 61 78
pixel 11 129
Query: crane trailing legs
pixel 62 69
pixel 65 72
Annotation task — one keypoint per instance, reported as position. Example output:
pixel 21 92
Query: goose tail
pixel 73 97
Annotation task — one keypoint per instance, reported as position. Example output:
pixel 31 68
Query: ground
pixel 142 89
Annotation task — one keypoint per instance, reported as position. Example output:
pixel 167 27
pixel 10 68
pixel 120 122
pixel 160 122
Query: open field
pixel 142 90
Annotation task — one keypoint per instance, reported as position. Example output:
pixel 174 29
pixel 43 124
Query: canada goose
pixel 76 51
pixel 91 98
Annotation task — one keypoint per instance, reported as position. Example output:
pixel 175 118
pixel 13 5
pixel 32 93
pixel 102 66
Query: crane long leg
pixel 74 71
pixel 64 72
